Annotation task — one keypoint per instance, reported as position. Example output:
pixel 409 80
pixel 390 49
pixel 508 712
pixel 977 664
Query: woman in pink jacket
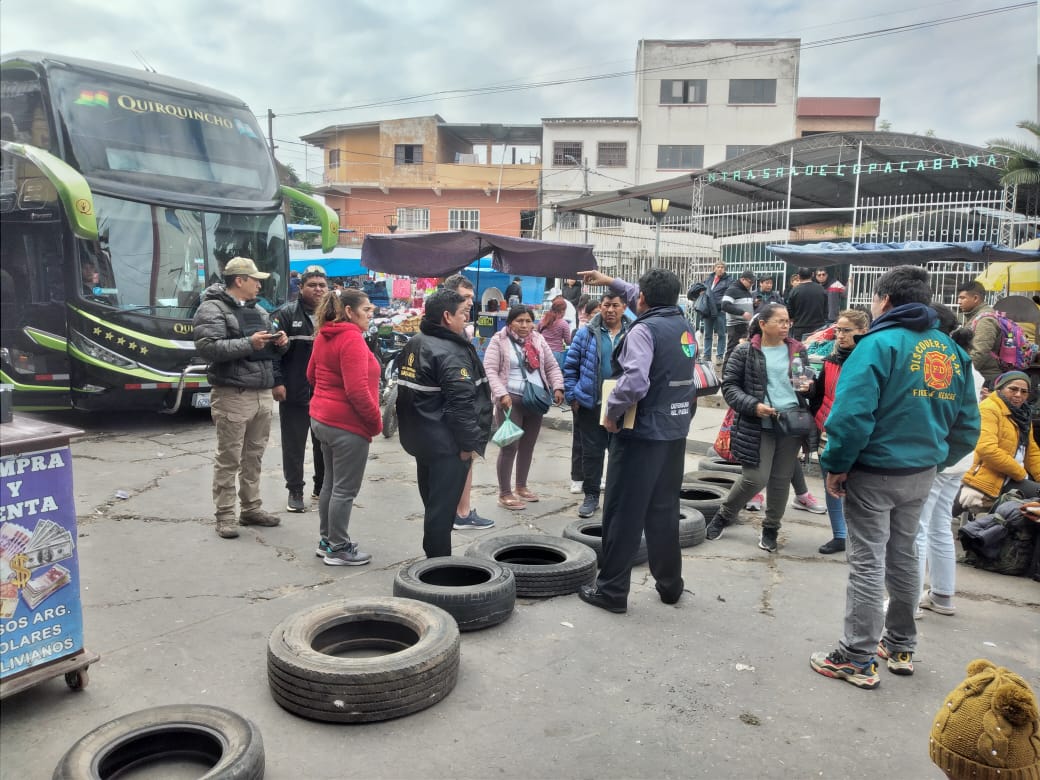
pixel 514 355
pixel 344 415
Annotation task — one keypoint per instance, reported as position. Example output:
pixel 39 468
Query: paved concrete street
pixel 717 686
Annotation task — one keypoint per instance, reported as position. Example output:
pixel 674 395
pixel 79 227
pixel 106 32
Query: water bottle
pixel 796 367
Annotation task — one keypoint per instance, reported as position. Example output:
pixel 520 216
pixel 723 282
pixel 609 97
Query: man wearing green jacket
pixel 905 405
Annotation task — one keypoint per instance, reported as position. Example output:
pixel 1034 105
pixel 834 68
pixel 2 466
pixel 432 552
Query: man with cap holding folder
pixel 235 336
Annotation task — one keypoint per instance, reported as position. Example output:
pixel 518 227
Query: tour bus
pixel 122 195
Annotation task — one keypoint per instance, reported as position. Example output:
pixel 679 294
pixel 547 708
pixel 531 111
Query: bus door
pixel 36 237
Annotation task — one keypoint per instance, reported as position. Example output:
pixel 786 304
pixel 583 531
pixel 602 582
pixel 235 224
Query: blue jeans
pixel 715 326
pixel 836 513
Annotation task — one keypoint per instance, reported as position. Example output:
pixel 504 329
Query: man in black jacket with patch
pixel 444 413
pixel 293 391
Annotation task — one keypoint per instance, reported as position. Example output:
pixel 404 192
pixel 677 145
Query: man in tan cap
pixel 987 728
pixel 235 336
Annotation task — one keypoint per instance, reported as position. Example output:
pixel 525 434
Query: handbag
pixel 705 379
pixel 535 397
pixel 795 422
pixel 723 441
pixel 508 432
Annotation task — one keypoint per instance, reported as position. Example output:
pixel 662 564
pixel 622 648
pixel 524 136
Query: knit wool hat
pixel 1008 377
pixel 988 728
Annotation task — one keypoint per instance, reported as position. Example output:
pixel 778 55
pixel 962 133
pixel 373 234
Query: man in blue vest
pixel 654 366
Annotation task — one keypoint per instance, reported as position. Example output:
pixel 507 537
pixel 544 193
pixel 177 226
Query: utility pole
pixel 270 130
pixel 585 193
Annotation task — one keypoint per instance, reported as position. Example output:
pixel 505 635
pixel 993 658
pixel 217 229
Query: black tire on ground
pixel 725 479
pixel 707 463
pixel 478 593
pixel 228 745
pixel 691 527
pixel 390 413
pixel 543 565
pixel 701 496
pixel 590 533
pixel 419 670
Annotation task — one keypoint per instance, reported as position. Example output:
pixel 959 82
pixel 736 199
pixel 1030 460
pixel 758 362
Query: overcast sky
pixel 968 80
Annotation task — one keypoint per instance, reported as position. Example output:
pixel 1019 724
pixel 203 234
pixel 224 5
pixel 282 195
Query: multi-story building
pixel 424 174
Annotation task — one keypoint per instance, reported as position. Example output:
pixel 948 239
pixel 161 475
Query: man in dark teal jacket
pixel 905 404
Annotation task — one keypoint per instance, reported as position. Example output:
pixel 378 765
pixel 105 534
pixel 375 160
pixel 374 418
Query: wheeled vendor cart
pixel 41 619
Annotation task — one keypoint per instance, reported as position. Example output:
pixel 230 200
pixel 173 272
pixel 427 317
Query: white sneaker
pixel 927 602
pixel 808 503
pixel 576 487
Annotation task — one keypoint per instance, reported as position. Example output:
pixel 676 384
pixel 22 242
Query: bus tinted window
pixel 139 135
pixel 23 118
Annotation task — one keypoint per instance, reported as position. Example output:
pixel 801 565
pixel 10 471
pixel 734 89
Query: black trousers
pixel 576 458
pixel 441 482
pixel 295 422
pixel 734 333
pixel 594 441
pixel 643 482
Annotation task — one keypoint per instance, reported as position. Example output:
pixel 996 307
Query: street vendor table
pixel 41 620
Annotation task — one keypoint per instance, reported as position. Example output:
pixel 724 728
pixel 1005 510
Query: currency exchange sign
pixel 40 615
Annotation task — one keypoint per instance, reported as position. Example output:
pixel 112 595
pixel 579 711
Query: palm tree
pixel 1023 165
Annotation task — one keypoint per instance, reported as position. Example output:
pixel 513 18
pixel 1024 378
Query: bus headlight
pixel 98 352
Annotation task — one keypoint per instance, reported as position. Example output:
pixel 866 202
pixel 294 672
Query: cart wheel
pixel 77 681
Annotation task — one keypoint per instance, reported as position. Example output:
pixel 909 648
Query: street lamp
pixel 391 222
pixel 658 208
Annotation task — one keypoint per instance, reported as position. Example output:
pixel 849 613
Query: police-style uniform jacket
pixel 443 399
pixel 290 369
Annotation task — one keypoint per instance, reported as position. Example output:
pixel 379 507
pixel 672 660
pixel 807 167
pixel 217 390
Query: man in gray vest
pixel 654 367
pixel 234 335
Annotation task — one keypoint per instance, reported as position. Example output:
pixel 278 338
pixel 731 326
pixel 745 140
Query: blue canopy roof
pixel 341 261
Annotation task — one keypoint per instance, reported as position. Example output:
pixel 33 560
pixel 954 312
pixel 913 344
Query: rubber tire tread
pixel 558 579
pixel 718 464
pixel 364 717
pixel 726 479
pixel 473 606
pixel 691 527
pixel 289 646
pixel 363 694
pixel 390 414
pixel 575 532
pixel 242 759
pixel 706 506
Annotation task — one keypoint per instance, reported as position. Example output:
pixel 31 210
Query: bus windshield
pixel 160 259
pixel 135 134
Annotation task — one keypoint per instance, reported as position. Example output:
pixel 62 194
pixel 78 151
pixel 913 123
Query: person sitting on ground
pixel 1007 456
pixel 516 355
pixel 988 727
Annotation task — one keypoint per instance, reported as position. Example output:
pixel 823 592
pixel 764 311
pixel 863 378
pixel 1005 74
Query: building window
pixel 463 219
pixel 413 219
pixel 612 155
pixel 688 91
pixel 407 154
pixel 333 158
pixel 752 91
pixel 567 220
pixel 683 158
pixel 608 222
pixel 738 149
pixel 566 154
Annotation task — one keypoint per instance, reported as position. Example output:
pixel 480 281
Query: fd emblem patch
pixel 938 370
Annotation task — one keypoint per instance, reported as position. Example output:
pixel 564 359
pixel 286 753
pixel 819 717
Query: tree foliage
pixel 1023 160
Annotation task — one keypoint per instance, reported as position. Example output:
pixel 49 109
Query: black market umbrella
pixel 445 253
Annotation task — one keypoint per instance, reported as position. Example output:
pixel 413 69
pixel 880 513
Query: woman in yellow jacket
pixel 1007 456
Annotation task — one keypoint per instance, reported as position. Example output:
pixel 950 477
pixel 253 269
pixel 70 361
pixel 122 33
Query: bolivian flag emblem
pixel 90 97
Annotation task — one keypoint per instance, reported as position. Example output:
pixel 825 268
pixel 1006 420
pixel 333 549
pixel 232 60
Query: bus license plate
pixel 200 401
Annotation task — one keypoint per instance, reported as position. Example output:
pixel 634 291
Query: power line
pixel 459 93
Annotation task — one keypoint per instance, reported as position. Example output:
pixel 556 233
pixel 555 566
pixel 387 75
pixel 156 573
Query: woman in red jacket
pixel 344 415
